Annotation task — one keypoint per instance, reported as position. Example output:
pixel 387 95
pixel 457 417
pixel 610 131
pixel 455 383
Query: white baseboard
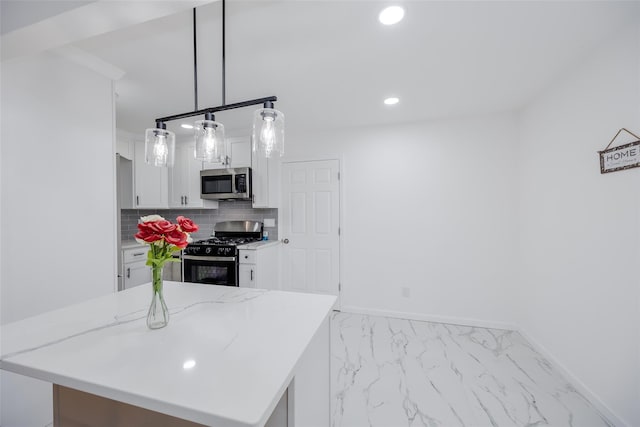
pixel 430 318
pixel 579 385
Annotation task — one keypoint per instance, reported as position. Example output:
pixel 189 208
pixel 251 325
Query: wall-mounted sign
pixel 622 157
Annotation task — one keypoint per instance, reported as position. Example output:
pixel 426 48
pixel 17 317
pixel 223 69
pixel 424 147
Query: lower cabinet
pixel 258 266
pixel 136 272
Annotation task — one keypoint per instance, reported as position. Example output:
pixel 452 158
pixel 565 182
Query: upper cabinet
pixel 184 180
pixel 179 186
pixel 239 151
pixel 266 181
pixel 238 154
pixel 151 182
pixel 124 170
pixel 124 144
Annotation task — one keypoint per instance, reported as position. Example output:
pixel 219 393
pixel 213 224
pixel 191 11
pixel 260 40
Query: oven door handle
pixel 209 258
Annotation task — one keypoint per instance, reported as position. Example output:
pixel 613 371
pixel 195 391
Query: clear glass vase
pixel 158 316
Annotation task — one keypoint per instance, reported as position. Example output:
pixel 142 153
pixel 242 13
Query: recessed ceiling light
pixel 391 101
pixel 186 126
pixel 391 15
pixel 189 364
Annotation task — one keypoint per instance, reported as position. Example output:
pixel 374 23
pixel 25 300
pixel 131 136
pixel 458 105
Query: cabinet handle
pixel 138 254
pixel 137 200
pixel 182 200
pixel 186 201
pixel 128 272
pixel 252 274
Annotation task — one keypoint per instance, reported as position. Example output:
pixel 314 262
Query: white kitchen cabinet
pixel 266 181
pixel 265 173
pixel 247 275
pixel 184 180
pixel 124 182
pixel 239 151
pixel 135 271
pixel 258 265
pixel 124 144
pixel 238 154
pixel 151 182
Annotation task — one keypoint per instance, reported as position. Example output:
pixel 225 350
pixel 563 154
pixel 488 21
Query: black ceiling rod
pixel 224 90
pixel 219 108
pixel 195 63
pixel 267 101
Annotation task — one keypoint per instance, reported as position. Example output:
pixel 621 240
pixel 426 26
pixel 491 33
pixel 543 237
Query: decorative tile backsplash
pixel 205 218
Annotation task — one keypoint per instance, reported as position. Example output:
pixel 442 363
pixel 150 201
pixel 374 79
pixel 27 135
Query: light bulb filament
pixel 210 143
pixel 267 135
pixel 160 150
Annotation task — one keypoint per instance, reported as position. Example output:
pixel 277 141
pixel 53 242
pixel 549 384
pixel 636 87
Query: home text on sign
pixel 623 157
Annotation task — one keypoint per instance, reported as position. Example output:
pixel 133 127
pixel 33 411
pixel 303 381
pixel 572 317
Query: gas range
pixel 214 261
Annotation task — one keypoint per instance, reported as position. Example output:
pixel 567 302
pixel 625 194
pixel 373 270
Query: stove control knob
pixel 207 250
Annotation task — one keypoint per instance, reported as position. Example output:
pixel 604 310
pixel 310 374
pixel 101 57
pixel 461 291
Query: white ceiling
pixel 332 63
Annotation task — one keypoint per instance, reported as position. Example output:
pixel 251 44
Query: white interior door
pixel 311 226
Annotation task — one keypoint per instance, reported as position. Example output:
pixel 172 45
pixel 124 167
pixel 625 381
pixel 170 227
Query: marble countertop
pixel 260 244
pixel 225 358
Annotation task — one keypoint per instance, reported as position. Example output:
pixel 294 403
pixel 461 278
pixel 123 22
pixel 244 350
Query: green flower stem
pixel 156 271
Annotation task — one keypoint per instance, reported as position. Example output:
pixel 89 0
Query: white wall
pixel 430 207
pixel 58 202
pixel 580 249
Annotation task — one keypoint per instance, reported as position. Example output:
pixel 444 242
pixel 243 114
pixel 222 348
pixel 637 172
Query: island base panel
pixel 74 408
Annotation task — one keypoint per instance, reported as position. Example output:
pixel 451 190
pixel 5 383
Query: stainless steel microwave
pixel 225 184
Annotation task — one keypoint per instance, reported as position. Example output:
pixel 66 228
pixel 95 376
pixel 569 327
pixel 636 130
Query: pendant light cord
pixel 195 62
pixel 224 90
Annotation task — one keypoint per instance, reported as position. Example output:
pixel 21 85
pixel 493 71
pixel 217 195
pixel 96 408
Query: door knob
pixel 285 241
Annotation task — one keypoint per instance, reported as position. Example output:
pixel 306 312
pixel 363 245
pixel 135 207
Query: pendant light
pixel 268 124
pixel 159 146
pixel 209 135
pixel 268 131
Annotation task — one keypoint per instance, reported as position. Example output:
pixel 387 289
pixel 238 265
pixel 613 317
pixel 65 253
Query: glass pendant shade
pixel 268 132
pixel 159 147
pixel 210 144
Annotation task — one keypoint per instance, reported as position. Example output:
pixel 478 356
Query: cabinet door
pixel 239 151
pixel 177 178
pixel 238 154
pixel 247 276
pixel 184 179
pixel 135 274
pixel 260 181
pixel 150 182
pixel 266 181
pixel 192 181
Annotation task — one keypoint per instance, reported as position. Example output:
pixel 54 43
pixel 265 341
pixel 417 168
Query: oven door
pixel 210 270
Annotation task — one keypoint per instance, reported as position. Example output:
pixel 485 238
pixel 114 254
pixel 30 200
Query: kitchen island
pixel 229 357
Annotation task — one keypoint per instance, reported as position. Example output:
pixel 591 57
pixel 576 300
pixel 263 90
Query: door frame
pixel 338 305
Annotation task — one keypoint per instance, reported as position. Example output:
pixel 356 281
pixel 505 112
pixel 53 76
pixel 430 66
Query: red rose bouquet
pixel 164 238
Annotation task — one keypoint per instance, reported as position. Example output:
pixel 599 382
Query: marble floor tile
pixel 391 372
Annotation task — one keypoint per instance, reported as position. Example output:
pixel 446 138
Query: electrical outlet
pixel 406 292
pixel 269 222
